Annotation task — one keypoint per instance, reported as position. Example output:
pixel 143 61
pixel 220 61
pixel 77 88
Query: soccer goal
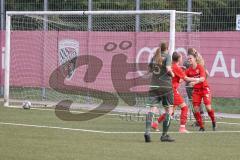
pixel 89 56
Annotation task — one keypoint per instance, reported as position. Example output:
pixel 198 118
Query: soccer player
pixel 189 89
pixel 201 90
pixel 160 91
pixel 178 99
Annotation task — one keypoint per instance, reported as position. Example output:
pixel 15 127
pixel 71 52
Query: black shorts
pixel 164 95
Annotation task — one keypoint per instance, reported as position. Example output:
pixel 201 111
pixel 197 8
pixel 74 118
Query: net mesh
pixel 94 60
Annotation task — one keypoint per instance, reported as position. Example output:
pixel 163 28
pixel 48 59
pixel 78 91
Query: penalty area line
pixel 104 132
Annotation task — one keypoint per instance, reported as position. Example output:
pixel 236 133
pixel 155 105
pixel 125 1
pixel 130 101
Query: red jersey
pixel 198 72
pixel 178 74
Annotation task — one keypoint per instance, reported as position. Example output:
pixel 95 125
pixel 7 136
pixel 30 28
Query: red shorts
pixel 178 99
pixel 199 94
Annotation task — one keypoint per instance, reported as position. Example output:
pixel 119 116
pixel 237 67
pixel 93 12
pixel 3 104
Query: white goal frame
pixel 9 14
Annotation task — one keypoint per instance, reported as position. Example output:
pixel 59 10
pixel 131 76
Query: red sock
pixel 199 119
pixel 161 118
pixel 211 115
pixel 183 117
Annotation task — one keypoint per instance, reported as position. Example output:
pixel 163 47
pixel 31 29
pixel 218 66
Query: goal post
pixel 168 17
pixel 7 60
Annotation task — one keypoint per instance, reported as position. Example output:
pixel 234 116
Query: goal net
pixel 89 58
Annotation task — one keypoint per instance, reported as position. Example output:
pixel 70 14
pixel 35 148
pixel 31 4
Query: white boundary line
pixel 230 123
pixel 72 111
pixel 50 127
pixel 104 132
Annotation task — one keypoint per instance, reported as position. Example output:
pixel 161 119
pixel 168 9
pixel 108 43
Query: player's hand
pixel 181 80
pixel 183 67
pixel 192 83
pixel 170 73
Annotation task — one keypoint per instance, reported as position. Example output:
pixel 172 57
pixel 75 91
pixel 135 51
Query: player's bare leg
pixel 154 123
pixel 161 118
pixel 211 114
pixel 183 118
pixel 199 118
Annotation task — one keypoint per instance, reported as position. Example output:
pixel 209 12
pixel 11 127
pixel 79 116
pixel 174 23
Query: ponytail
pixel 200 60
pixel 157 57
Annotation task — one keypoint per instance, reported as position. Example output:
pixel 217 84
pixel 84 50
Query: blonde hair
pixel 200 59
pixel 157 57
pixel 196 55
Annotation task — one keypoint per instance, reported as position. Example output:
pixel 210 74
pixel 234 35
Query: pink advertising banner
pixel 35 55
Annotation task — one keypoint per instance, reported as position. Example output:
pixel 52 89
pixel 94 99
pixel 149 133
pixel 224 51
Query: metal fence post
pixel 90 6
pixel 45 28
pixel 89 16
pixel 189 16
pixel 45 8
pixel 137 27
pixel 2 14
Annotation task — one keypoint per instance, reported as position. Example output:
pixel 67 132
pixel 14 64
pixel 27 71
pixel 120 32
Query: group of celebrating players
pixel 167 74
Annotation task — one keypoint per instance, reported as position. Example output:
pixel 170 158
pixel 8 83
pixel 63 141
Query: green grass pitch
pixel 40 135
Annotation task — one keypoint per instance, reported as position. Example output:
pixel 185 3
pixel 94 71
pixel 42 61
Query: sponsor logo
pixel 68 50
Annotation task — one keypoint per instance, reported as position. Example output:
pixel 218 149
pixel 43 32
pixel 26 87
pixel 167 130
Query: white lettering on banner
pixel 233 69
pixel 150 53
pixel 223 67
pixel 183 51
pixel 219 64
pixel 216 68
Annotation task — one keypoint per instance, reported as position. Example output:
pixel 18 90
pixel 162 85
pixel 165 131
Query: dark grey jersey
pixel 159 73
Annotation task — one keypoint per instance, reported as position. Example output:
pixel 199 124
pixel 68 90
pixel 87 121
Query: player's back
pixel 159 73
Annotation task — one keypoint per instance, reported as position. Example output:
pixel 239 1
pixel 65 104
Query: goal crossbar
pixel 139 12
